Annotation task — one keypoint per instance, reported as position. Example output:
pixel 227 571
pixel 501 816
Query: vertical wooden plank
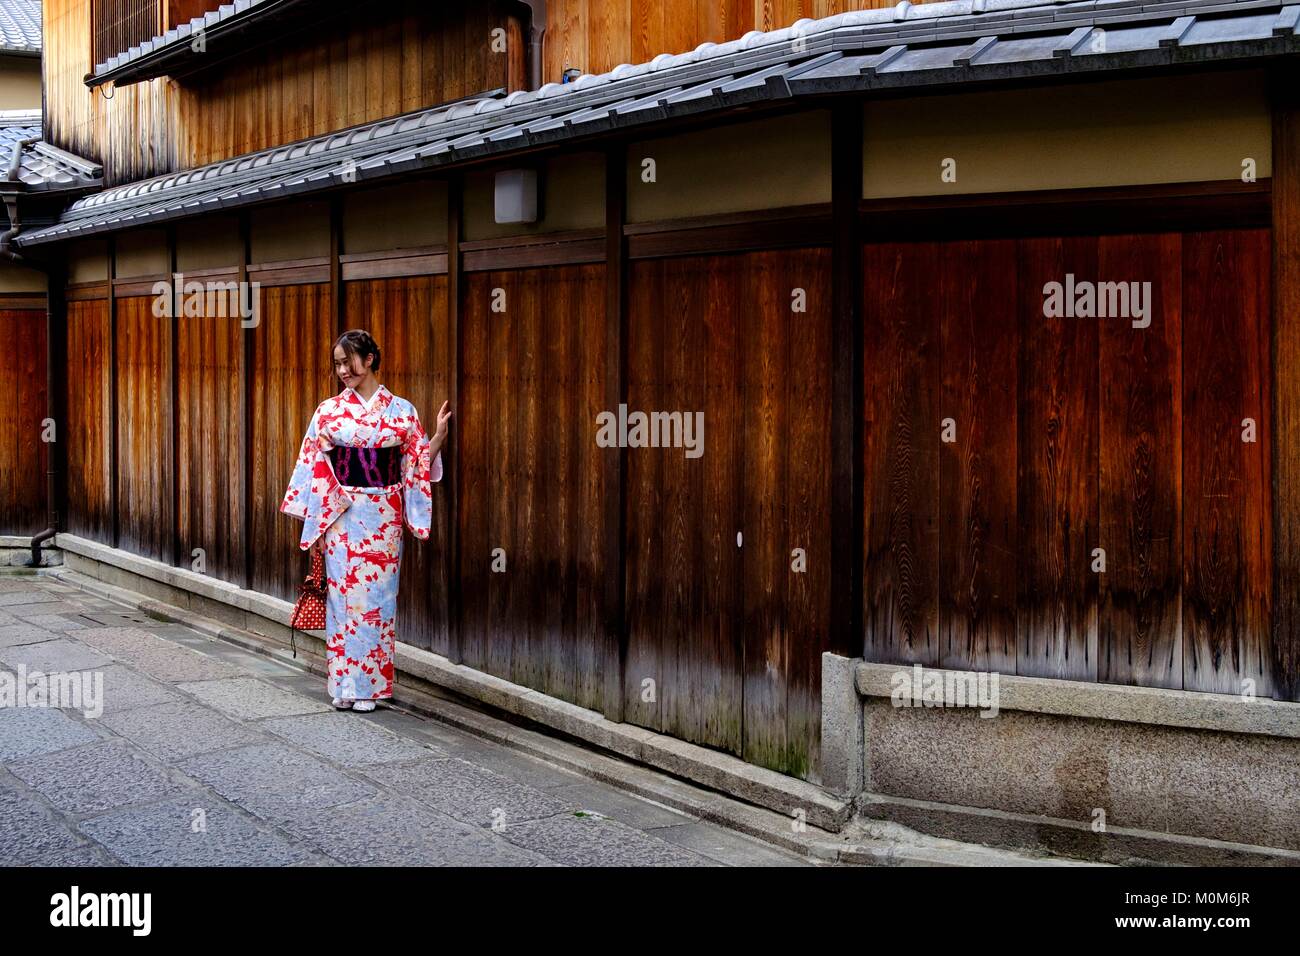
pixel 901 375
pixel 977 474
pixel 613 461
pixel 765 472
pixel 247 377
pixel 786 481
pixel 846 392
pixel 608 39
pixel 454 447
pixel 643 503
pixel 1286 383
pixel 1058 469
pixel 1140 489
pixel 115 483
pixel 1227 526
pixel 173 414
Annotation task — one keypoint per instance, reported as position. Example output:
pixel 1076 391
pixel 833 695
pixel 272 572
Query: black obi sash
pixel 367 467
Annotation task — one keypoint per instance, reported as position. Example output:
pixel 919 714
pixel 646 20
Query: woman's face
pixel 349 368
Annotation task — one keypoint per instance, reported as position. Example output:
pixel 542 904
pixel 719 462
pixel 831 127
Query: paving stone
pixel 164 834
pixel 29 833
pixel 597 841
pixel 157 657
pixel 392 830
pixel 346 739
pixel 19 596
pixel 247 698
pixel 55 622
pixel 28 731
pixel 625 807
pixel 273 781
pixel 12 635
pixel 177 730
pixel 81 856
pixel 468 792
pixel 124 689
pixel 517 766
pixel 99 777
pixel 54 657
pixel 79 691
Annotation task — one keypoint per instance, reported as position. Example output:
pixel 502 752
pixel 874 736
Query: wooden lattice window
pixel 118 25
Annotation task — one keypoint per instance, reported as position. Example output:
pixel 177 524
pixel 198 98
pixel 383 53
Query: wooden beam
pixel 115 508
pixel 1286 382
pixel 846 635
pixel 173 407
pixel 451 451
pixel 1159 207
pixel 246 375
pixel 615 461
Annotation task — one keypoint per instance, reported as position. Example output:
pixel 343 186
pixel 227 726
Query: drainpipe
pixel 536 34
pixel 7 252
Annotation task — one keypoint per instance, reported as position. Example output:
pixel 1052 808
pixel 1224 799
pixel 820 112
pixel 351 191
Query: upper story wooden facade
pixel 331 70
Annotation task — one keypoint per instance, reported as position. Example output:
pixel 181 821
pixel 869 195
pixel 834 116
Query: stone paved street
pixel 206 754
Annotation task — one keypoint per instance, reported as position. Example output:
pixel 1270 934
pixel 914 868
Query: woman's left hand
pixel 444 419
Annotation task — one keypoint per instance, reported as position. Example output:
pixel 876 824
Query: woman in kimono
pixel 364 470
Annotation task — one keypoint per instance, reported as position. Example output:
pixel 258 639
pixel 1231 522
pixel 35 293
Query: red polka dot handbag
pixel 309 610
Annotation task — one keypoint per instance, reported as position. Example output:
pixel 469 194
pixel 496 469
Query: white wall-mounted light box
pixel 516 195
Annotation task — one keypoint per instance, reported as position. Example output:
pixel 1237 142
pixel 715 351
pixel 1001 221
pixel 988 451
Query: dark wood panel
pixel 1052 213
pixel 144 442
pixel 786 482
pixel 1227 513
pixel 683 599
pixel 1286 383
pixel 210 507
pixel 1140 448
pixel 23 453
pixel 977 479
pixel 292 374
pixel 901 434
pixel 408 320
pixel 1057 469
pixel 533 384
pixel 89 482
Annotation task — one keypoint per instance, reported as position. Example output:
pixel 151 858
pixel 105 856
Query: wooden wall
pixel 534 382
pixel 1070 434
pixel 291 374
pixel 401 56
pixel 89 425
pixel 210 504
pixel 729 631
pixel 597 35
pixel 22 481
pixel 144 441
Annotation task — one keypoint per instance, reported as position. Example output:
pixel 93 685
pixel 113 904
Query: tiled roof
pixel 163 54
pixel 930 45
pixel 20 26
pixel 42 167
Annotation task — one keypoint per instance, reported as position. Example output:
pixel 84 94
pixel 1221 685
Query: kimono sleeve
pixel 314 494
pixel 417 475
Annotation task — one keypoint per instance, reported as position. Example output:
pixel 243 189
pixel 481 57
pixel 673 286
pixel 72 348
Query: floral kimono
pixel 382 452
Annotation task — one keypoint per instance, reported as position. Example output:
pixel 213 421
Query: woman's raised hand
pixel 444 419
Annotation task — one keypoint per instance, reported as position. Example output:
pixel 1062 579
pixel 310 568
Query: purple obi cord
pixel 371 467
